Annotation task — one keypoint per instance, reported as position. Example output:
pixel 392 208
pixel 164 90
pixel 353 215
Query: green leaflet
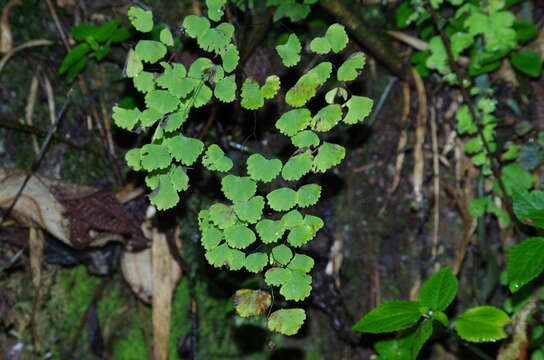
pixel 282 254
pixel 239 236
pixel 290 51
pixel 225 89
pixel 215 9
pixel 125 118
pixel 327 118
pixel 286 321
pixel 230 58
pixel 141 19
pixel 238 189
pixel 134 64
pixel 335 39
pixel 349 70
pixel 305 138
pixel 251 302
pixel 389 316
pixel 184 149
pixel 328 155
pixel 251 210
pixel 215 159
pixel 297 166
pixel 359 108
pixel 306 86
pixel 271 87
pixel 525 262
pixel 256 262
pixel 161 101
pixel 282 199
pixel 222 216
pixel 293 121
pixel 150 51
pixel 308 195
pixel 252 97
pixel 438 291
pixel 269 230
pixel 481 324
pixel 261 169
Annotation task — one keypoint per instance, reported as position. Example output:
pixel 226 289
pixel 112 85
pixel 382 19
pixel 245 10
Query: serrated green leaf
pixel 302 263
pixel 133 159
pixel 154 156
pixel 178 177
pixel 308 195
pixel 529 206
pixel 239 236
pixel 141 19
pixel 164 196
pixel 215 159
pixel 222 216
pixel 271 86
pixel 75 55
pixel 184 149
pixel 359 108
pixel 482 324
pixel 196 26
pixel 320 45
pixel 149 117
pixel 174 120
pixel 328 155
pixel 262 169
pixel 225 89
pixel 297 166
pixel 230 58
pixel 349 70
pixel 282 199
pixel 286 321
pixel 144 82
pixel 251 302
pixel 282 254
pixel 315 223
pixel 250 211
pixel 438 291
pixel 215 9
pixel 252 97
pixel 150 51
pixel 305 138
pixel 525 262
pixel 306 86
pixel 290 51
pixel 218 257
pixel 300 235
pixel 293 121
pixel 166 37
pixel 277 276
pixel 134 64
pixel 269 230
pixel 256 262
pixel 211 238
pixel 298 287
pixel 291 219
pixel 290 9
pixel 327 118
pixel 389 316
pixel 200 69
pixel 238 189
pixel 161 101
pixel 335 39
pixel 125 118
pixel 216 39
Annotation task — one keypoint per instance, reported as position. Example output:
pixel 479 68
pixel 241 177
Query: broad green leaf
pixel 293 121
pixel 120 35
pixel 211 238
pixel 75 55
pixel 328 155
pixel 277 276
pixel 349 70
pixel 389 316
pixel 261 169
pixel 239 236
pixel 133 159
pixel 306 86
pixel 314 222
pixel 250 211
pixel 337 37
pixel 215 159
pixel 297 166
pixel 271 86
pixel 141 19
pixel 125 118
pixel 256 262
pixel 308 195
pixel 300 235
pixel 422 333
pixel 251 302
pixel 529 206
pixel 286 321
pixel 223 255
pixel 238 189
pixel 515 177
pixel 230 58
pixel 184 149
pixel 525 262
pixel 225 89
pixel 144 82
pixel 216 39
pixel 150 51
pixel 155 156
pixel 460 41
pixel 269 230
pixel 161 101
pixel 134 64
pixel 359 108
pixel 282 199
pixel 439 290
pixel 222 216
pixel 302 263
pixel 82 31
pixel 482 324
pixel 252 97
pixel 290 51
pixel 149 117
pixel 305 138
pixel 174 120
pixel 528 62
pixel 76 69
pixel 201 69
pixel 166 37
pixel 292 219
pixel 196 26
pixel 327 118
pixel 282 254
pixel 164 196
pixel 202 96
pixel 215 9
pixel 298 287
pixel 525 30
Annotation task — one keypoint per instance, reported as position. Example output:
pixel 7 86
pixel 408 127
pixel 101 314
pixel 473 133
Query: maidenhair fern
pixel 248 218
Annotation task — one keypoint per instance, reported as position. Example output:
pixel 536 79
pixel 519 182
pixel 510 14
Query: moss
pixel 133 347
